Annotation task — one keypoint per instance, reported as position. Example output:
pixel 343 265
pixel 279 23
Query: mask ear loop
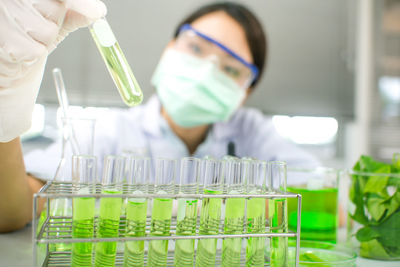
pixel 249 81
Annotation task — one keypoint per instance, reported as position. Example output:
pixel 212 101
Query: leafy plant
pixel 377 207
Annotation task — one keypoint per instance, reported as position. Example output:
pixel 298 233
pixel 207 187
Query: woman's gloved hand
pixel 29 31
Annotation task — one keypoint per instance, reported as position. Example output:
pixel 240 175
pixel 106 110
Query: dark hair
pixel 255 35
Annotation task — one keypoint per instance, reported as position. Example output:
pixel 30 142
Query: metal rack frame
pixel 54 190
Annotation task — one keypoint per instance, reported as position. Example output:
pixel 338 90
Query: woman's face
pixel 192 89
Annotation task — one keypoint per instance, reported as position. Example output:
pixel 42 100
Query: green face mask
pixel 194 91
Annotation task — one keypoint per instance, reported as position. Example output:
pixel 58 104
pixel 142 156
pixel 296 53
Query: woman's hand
pixel 29 31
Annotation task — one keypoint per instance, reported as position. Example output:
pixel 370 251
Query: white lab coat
pixel 252 133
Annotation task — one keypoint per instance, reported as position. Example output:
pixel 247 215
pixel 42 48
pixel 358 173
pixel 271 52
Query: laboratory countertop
pixel 16 251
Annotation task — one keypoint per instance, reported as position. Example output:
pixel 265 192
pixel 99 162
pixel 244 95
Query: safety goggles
pixel 200 45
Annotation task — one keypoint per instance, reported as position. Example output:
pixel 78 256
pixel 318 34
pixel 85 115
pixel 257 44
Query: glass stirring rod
pixel 116 62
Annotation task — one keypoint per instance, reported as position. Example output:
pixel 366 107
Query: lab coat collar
pixel 152 116
pixel 226 130
pixel 153 122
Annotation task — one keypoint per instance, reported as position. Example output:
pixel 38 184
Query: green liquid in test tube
pixel 136 210
pixel 210 216
pixel 162 211
pixel 255 225
pixel 110 210
pixel 83 208
pixel 116 63
pixel 278 215
pixel 59 207
pixel 235 173
pixel 82 227
pixel 187 212
pixel 278 219
pixel 256 185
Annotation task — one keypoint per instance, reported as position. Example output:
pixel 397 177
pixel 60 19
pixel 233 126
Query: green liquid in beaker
pixel 82 227
pixel 136 212
pixel 209 225
pixel 318 213
pixel 160 226
pixel 110 212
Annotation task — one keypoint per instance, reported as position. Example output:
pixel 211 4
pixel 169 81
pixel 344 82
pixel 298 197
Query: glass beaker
pixel 374 210
pixel 319 212
pixel 77 138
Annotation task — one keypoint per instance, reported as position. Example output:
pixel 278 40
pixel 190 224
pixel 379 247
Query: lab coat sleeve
pixel 42 163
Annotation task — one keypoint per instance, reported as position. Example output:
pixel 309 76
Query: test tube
pixel 236 172
pixel 256 185
pixel 278 214
pixel 116 62
pixel 187 211
pixel 110 209
pixel 162 211
pixel 210 212
pixel 136 209
pixel 84 181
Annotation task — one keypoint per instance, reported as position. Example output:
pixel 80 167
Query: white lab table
pixel 16 248
pixel 16 251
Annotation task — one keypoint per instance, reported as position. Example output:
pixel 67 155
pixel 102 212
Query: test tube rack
pixel 45 230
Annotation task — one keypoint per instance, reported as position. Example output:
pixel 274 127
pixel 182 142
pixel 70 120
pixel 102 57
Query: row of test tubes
pixel 202 177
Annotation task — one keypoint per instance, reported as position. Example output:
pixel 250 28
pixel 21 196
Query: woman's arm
pixel 16 188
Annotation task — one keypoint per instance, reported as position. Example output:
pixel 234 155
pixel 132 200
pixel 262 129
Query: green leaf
pixel 373 249
pixel 394 181
pixel 393 251
pixel 308 256
pixel 380 236
pixel 366 234
pixel 376 207
pixel 357 167
pixel 354 188
pixel 359 214
pixel 367 164
pixel 389 231
pixel 377 184
pixel 393 204
pixel 396 162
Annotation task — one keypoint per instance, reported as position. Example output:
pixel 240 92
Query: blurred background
pixel 332 84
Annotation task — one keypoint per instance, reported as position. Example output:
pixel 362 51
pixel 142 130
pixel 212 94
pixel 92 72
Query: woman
pixel 206 73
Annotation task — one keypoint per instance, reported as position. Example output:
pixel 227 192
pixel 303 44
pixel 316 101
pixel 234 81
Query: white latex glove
pixel 29 31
